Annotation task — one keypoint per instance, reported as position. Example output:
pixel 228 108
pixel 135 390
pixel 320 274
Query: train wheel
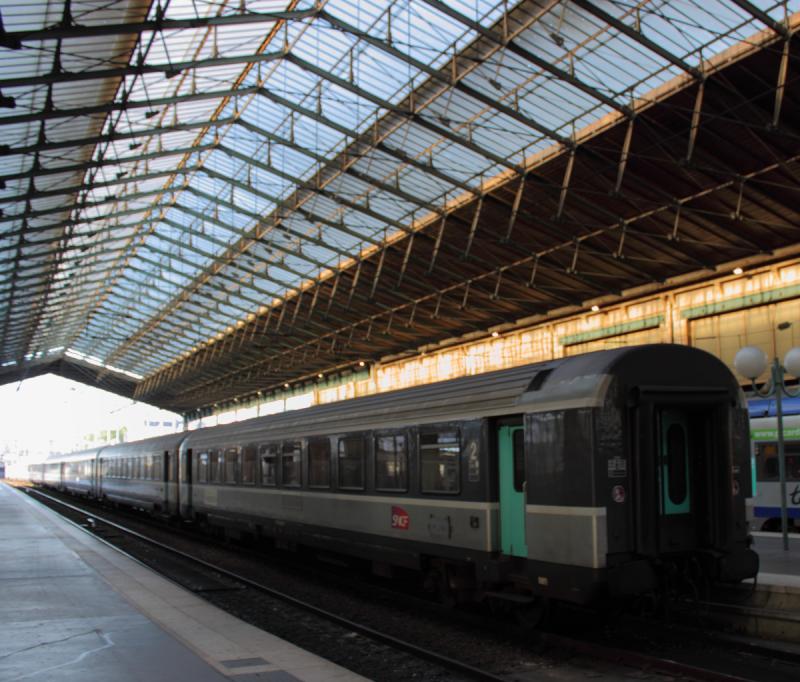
pixel 531 616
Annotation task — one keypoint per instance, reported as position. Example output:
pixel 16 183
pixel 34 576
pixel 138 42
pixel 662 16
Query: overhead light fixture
pixel 595 308
pixel 286 385
pixel 320 376
pixel 361 363
pixel 738 271
pixel 495 334
pixel 151 113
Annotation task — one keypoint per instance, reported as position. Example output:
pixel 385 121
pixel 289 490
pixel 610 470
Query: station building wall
pixel 719 316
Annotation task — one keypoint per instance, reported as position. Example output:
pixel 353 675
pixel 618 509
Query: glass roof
pixel 172 168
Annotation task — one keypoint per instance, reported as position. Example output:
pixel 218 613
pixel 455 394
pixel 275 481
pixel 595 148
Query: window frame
pixel 360 438
pixel 264 450
pixel 310 446
pixel 422 448
pixel 250 448
pixel 394 435
pixel 296 452
pixel 201 467
pixel 231 451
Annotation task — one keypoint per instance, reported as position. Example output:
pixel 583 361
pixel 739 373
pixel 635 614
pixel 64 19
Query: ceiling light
pixel 495 334
pixel 286 385
pixel 595 308
pixel 361 363
pixel 320 376
pixel 738 271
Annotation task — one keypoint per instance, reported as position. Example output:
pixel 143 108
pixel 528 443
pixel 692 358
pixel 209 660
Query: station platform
pixel 74 608
pixel 778 567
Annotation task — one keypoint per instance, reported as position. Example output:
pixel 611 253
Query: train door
pixel 511 458
pixel 677 458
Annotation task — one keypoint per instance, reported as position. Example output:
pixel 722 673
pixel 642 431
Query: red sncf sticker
pixel 400 518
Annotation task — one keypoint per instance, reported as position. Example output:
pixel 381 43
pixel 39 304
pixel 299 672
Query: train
pixel 608 475
pixel 765 505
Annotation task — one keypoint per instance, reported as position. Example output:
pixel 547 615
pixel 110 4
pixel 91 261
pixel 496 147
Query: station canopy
pixel 205 200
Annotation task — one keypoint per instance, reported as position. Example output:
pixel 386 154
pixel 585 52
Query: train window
pixel 202 467
pixel 351 463
pixel 269 460
pixel 232 465
pixel 249 465
pixel 767 461
pixel 676 463
pixel 147 473
pixel 440 462
pixel 157 472
pixel 292 464
pixel 319 463
pixel 391 463
pixel 213 466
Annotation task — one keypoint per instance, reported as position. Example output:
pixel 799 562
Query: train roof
pixel 157 443
pixel 571 382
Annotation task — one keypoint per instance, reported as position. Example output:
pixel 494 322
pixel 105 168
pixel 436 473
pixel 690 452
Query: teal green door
pixel 511 453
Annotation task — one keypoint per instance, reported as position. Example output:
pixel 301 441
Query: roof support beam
pixel 764 18
pixel 169 70
pixel 127 105
pixel 638 36
pixel 545 65
pixel 44 146
pixel 447 79
pixel 34 172
pixel 70 30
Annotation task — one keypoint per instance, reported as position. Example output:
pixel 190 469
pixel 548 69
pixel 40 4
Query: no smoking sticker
pixel 618 493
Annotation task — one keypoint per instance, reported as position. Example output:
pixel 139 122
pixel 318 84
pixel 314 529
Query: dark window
pixel 319 463
pixel 391 463
pixel 351 463
pixel 249 465
pixel 157 472
pixel 269 464
pixel 676 463
pixel 213 466
pixel 232 465
pixel 292 464
pixel 519 460
pixel 439 458
pixel 202 467
pixel 767 461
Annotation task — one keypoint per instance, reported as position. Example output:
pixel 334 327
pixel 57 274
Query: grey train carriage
pixel 605 474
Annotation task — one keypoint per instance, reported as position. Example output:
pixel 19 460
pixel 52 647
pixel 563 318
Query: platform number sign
pixel 400 518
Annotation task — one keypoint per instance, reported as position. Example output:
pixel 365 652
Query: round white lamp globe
pixel 792 362
pixel 750 362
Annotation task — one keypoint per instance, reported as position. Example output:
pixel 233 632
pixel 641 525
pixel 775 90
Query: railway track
pixel 219 583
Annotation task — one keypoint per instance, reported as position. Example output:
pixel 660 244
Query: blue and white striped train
pixel 765 506
pixel 605 475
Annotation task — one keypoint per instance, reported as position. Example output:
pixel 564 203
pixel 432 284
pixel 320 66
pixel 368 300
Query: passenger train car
pixel 602 475
pixel 766 501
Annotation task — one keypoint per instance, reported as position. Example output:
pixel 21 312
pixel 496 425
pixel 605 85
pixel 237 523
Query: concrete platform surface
pixel 778 566
pixel 73 608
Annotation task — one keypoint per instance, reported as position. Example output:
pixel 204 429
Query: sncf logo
pixel 400 518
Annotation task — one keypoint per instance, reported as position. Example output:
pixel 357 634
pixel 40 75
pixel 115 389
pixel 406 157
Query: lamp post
pixel 751 362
